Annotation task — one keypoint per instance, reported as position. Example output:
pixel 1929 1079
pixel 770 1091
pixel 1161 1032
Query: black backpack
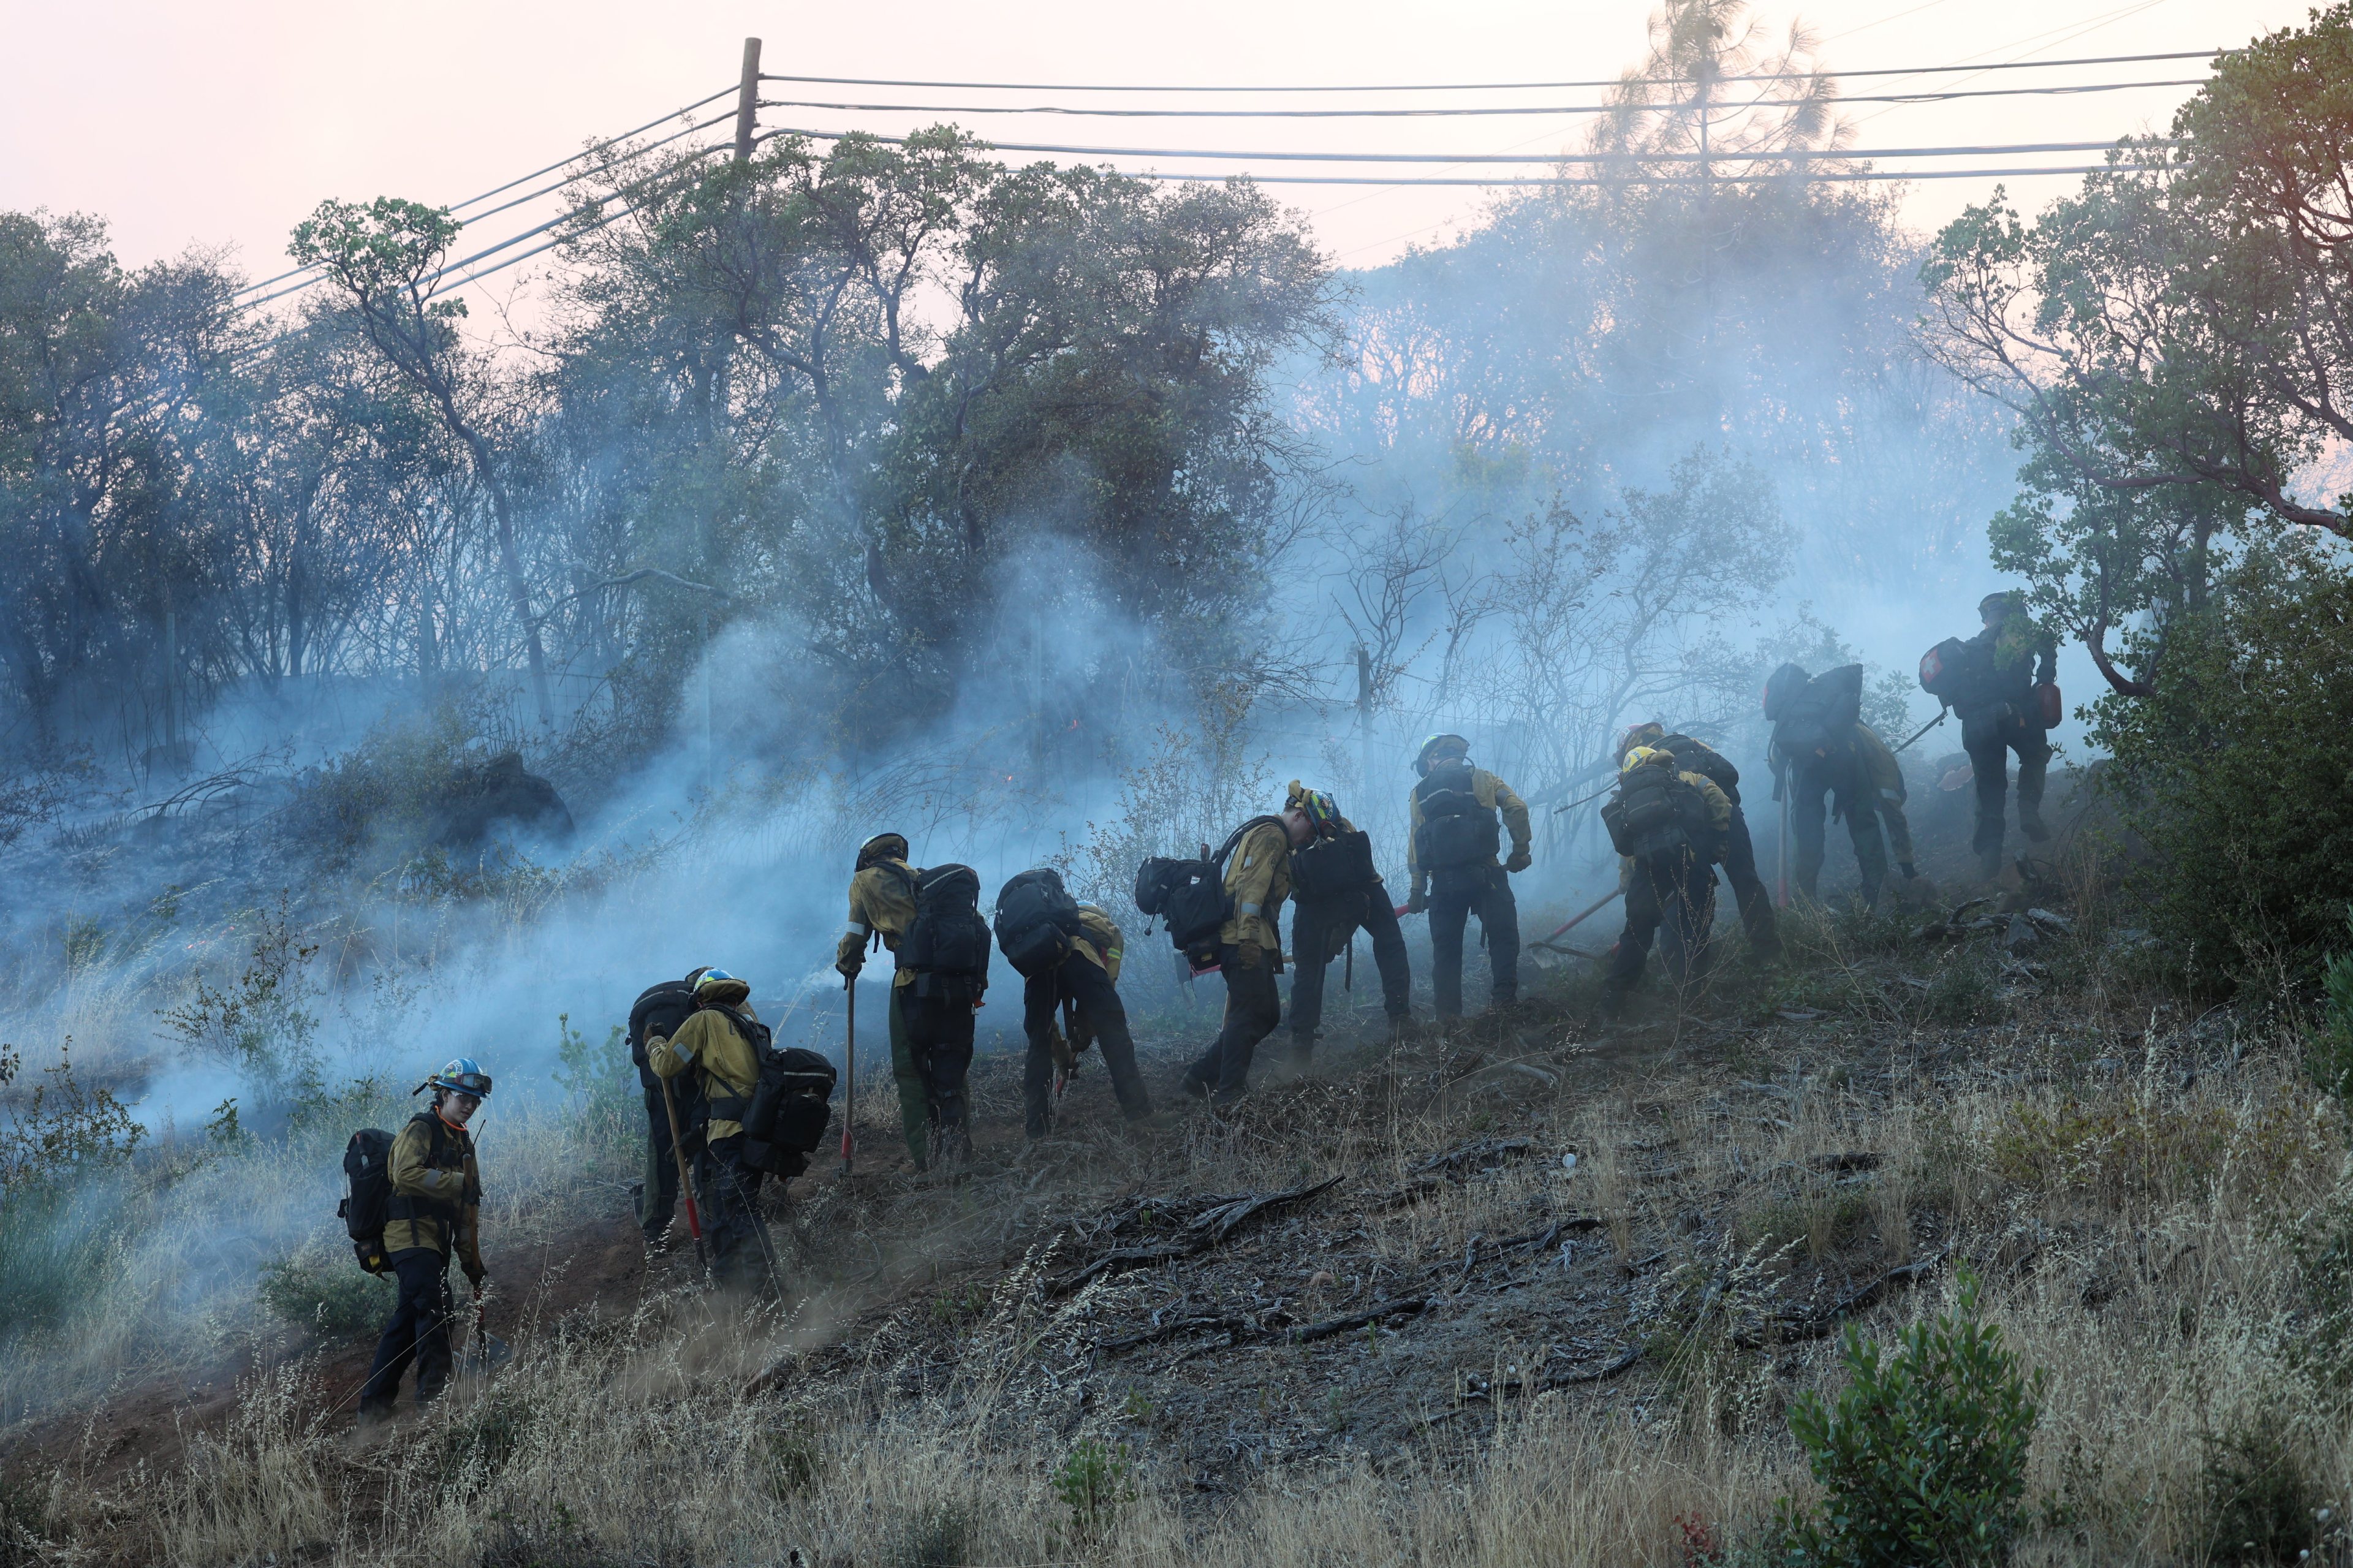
pixel 1036 920
pixel 784 1117
pixel 1693 755
pixel 792 1105
pixel 947 945
pixel 1958 673
pixel 1336 867
pixel 1655 812
pixel 1189 895
pixel 1813 715
pixel 1456 831
pixel 659 1010
pixel 367 1172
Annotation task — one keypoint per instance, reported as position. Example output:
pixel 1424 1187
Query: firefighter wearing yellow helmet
pixel 1335 890
pixel 1668 823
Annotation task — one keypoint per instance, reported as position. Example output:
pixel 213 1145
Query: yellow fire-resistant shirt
pixel 882 897
pixel 1098 939
pixel 1258 879
pixel 709 1043
pixel 1492 793
pixel 454 1179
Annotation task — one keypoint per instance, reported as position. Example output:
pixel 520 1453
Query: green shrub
pixel 1922 1457
pixel 2259 1497
pixel 328 1292
pixel 2330 1054
pixel 60 1197
pixel 1093 1482
pixel 2232 773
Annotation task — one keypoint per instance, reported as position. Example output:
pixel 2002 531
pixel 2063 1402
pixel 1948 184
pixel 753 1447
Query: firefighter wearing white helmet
pixel 1451 857
pixel 435 1212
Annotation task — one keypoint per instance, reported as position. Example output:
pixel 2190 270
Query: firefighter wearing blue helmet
pixel 435 1212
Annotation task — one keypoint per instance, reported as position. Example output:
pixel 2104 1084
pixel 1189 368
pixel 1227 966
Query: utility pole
pixel 747 101
pixel 1365 723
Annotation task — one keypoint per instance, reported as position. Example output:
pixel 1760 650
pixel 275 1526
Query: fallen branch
pixel 1600 1373
pixel 1207 1229
pixel 1813 1325
pixel 1481 1150
pixel 1353 1320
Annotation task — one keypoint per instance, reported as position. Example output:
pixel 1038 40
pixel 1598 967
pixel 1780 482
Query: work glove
pixel 850 955
pixel 1518 862
pixel 1416 904
pixel 479 1280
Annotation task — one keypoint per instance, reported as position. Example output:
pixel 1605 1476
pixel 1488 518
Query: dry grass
pixel 2144 1214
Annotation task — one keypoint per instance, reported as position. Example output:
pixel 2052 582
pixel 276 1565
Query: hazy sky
pixel 221 124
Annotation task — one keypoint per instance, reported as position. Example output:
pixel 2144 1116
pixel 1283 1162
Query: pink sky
pixel 221 124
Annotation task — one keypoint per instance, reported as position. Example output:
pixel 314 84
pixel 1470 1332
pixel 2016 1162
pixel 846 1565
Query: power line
pixel 1450 112
pixel 1868 176
pixel 1464 86
pixel 585 153
pixel 436 276
pixel 1735 157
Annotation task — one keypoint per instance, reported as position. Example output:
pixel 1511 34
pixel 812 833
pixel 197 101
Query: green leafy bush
pixel 2232 773
pixel 2259 1497
pixel 327 1291
pixel 1093 1482
pixel 2330 1055
pixel 1922 1457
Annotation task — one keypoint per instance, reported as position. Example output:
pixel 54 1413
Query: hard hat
pixel 462 1075
pixel 1322 813
pixel 881 847
pixel 1641 735
pixel 714 977
pixel 1636 757
pixel 1441 745
pixel 2004 602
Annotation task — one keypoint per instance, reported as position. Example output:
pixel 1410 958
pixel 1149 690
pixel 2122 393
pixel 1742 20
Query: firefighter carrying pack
pixel 1037 919
pixel 946 945
pixel 1959 674
pixel 1657 812
pixel 1188 895
pixel 1332 867
pixel 367 1201
pixel 1813 715
pixel 784 1117
pixel 1456 831
pixel 657 1012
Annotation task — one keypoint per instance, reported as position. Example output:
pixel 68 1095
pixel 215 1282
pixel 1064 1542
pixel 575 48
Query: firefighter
pixel 435 1212
pixel 939 946
pixel 714 1051
pixel 1749 893
pixel 881 908
pixel 660 1009
pixel 1669 824
pixel 1250 955
pixel 1858 779
pixel 1084 988
pixel 1451 858
pixel 1325 915
pixel 2002 714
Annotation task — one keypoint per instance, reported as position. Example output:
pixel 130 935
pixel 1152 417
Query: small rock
pixel 2049 922
pixel 2023 935
pixel 1568 1161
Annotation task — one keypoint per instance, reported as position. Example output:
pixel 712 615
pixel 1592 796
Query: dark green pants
pixel 931 1056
